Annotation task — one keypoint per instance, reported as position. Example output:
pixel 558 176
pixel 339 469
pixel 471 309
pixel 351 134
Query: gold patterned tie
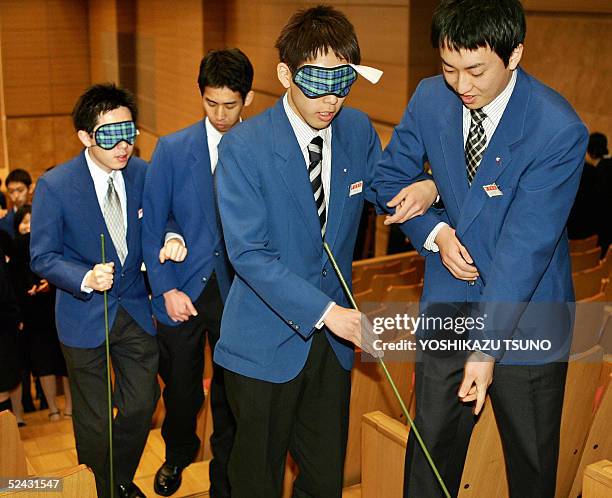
pixel 113 216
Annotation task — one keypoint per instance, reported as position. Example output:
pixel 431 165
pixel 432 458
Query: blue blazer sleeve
pixel 402 164
pixel 46 244
pixel 157 220
pixel 244 213
pixel 373 158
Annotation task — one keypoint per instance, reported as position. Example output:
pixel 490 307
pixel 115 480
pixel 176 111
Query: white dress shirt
pixel 100 179
pixel 213 136
pixel 304 135
pixel 494 111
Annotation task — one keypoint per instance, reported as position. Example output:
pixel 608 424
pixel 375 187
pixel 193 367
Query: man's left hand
pixel 412 201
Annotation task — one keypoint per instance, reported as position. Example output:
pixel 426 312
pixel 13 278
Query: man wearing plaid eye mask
pixel 100 191
pixel 288 179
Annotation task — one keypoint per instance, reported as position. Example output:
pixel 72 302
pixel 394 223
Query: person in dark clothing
pixel 36 299
pixel 598 155
pixel 10 379
pixel 583 219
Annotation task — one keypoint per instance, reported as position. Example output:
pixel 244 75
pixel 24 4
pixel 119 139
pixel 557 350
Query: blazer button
pixel 297 327
pixel 324 272
pixel 204 279
pixel 122 275
pixel 217 253
pixel 290 322
pixel 472 283
pixel 119 298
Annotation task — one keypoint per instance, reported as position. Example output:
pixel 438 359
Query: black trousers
pixel 134 358
pixel 527 403
pixel 181 367
pixel 307 416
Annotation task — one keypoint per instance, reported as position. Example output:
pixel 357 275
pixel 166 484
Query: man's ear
pixel 249 98
pixel 284 74
pixel 515 57
pixel 85 138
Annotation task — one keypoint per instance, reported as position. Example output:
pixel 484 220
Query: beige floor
pixel 50 447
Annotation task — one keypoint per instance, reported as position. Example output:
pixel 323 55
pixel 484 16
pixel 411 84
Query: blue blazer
pixel 65 245
pixel 518 240
pixel 284 280
pixel 179 187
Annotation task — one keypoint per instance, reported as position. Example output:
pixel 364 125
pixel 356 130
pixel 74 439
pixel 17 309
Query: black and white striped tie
pixel 315 167
pixel 476 143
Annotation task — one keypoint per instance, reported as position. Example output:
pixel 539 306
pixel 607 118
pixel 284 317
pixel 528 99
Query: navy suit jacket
pixel 284 280
pixel 179 187
pixel 65 244
pixel 518 240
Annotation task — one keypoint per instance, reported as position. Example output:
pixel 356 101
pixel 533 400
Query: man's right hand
pixel 178 306
pixel 101 277
pixel 353 326
pixel 455 256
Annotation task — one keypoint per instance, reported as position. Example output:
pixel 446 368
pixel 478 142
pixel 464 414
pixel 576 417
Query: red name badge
pixel 356 188
pixel 492 190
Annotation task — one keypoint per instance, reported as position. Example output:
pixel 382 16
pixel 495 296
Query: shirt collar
pixel 303 132
pixel 495 109
pixel 97 173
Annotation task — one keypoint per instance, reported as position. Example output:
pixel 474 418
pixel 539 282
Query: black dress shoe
pixel 167 479
pixel 130 491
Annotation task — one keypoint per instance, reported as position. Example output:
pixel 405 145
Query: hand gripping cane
pixel 108 384
pixel 389 378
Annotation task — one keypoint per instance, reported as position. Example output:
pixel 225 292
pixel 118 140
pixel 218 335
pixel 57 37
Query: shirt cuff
pixel 84 288
pixel 430 245
pixel 172 235
pixel 320 323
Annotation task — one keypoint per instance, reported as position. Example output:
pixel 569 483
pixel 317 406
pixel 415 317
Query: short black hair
pixel 99 99
pixel 229 68
pixel 19 176
pixel 471 24
pixel 20 214
pixel 598 145
pixel 315 31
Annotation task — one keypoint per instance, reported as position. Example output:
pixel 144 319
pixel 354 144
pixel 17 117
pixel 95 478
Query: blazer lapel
pixel 202 176
pixel 292 169
pixel 86 201
pixel 454 152
pixel 338 186
pixel 498 156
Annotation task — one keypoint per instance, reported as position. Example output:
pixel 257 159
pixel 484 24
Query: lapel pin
pixel 498 160
pixel 345 170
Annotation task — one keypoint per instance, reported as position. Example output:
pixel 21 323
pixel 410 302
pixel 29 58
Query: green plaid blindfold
pixel 318 81
pixel 109 135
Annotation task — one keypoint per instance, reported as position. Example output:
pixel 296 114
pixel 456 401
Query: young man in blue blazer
pixel 287 180
pixel 506 153
pixel 100 192
pixel 188 296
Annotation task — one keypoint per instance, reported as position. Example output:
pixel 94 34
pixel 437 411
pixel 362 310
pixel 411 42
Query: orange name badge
pixel 356 188
pixel 492 190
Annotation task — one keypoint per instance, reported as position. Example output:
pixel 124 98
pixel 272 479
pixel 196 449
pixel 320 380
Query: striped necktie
pixel 113 216
pixel 315 167
pixel 476 143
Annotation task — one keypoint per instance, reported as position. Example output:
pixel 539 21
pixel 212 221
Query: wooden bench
pixel 598 480
pixel 77 482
